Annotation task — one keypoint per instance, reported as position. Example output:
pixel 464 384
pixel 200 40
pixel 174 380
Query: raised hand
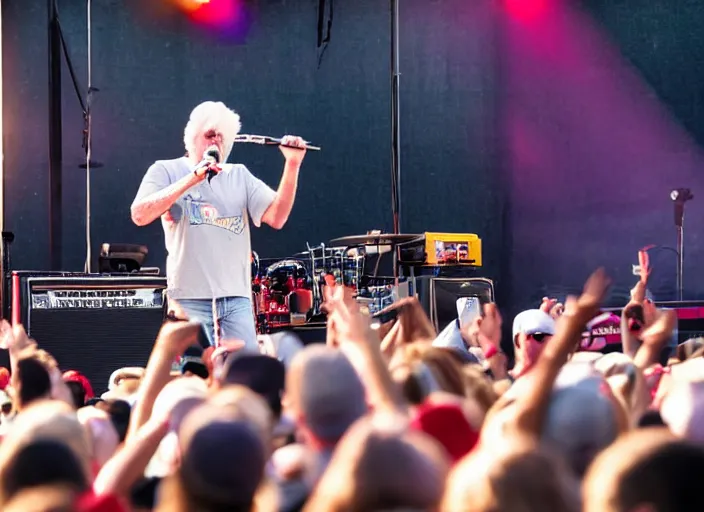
pixel 644 264
pixel 644 270
pixel 661 329
pixel 349 323
pixel 552 307
pixel 595 290
pixel 293 148
pixel 176 336
pixel 490 324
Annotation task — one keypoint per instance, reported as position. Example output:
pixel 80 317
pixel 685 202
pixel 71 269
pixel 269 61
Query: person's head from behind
pixel 379 465
pixel 583 416
pixel 78 394
pixel 211 123
pixel 175 401
pixel 47 420
pixel 240 403
pixel 646 470
pixel 324 394
pixel 119 412
pixel 101 433
pixel 222 464
pixel 79 386
pixel 31 382
pixel 520 479
pixel 262 374
pixel 532 329
pixel 42 462
pixel 421 369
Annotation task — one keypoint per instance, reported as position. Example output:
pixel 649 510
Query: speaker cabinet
pixel 91 323
pixel 439 295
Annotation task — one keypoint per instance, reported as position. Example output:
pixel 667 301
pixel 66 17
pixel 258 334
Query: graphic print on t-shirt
pixel 202 213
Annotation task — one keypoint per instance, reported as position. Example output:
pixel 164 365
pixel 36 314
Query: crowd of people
pixel 385 415
pixel 381 417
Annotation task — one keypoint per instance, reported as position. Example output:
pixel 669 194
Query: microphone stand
pixel 86 108
pixel 680 197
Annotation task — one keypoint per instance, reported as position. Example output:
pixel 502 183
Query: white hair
pixel 212 115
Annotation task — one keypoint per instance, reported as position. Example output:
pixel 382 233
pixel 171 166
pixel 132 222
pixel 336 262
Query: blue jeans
pixel 232 316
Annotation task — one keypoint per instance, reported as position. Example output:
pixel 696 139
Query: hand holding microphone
pixel 208 166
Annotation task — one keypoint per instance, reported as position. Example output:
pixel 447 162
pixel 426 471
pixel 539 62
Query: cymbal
pixel 376 239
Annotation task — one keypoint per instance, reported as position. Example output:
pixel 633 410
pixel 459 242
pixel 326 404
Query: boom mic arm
pixel 270 141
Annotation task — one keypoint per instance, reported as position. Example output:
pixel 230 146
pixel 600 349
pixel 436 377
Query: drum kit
pixel 289 292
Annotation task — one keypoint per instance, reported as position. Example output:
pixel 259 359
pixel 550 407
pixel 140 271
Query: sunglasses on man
pixel 539 337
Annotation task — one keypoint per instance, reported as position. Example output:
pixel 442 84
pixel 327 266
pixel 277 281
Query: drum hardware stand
pixel 315 276
pixel 679 197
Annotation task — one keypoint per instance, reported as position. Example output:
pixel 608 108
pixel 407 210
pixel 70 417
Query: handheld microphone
pixel 211 156
pixel 270 141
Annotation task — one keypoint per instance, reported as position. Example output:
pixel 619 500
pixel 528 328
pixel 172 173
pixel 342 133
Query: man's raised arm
pixel 146 210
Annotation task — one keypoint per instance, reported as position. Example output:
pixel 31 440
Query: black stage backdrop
pixel 559 162
pixel 602 119
pixel 152 66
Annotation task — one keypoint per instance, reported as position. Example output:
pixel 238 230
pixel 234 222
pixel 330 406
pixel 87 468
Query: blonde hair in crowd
pixel 212 115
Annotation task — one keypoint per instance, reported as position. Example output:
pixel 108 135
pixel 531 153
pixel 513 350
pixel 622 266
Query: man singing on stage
pixel 205 209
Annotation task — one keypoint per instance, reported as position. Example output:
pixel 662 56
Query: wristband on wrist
pixel 491 351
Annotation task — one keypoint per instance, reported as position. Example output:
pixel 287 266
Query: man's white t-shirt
pixel 207 229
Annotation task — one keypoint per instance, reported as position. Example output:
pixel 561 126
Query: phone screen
pixel 468 308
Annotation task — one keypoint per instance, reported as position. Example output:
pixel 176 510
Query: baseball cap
pixel 581 419
pixel 82 380
pixel 4 377
pixel 533 321
pixel 448 425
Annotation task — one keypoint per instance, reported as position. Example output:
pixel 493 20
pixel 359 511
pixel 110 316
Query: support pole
pixel 395 132
pixel 395 120
pixel 55 140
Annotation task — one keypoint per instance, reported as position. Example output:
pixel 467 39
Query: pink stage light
pixel 228 18
pixel 526 9
pixel 214 13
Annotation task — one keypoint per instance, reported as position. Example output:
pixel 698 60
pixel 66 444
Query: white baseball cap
pixel 532 321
